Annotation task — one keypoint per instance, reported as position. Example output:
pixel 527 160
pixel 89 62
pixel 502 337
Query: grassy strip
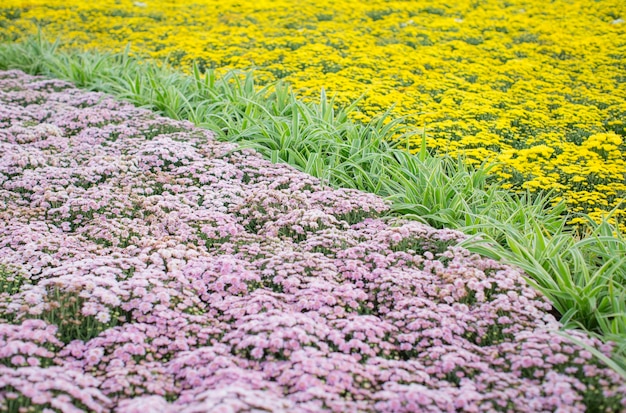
pixel 584 276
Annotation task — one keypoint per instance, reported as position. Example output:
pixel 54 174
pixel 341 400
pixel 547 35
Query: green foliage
pixel 65 310
pixel 10 280
pixel 583 276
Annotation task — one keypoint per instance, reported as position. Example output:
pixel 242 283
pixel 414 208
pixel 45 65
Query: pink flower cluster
pixel 146 267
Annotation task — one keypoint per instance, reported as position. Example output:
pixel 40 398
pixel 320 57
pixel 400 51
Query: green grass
pixel 581 270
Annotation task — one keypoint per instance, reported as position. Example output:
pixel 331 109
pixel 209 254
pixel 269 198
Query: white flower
pixel 103 317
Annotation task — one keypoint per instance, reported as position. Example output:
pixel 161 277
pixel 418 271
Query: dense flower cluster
pixel 146 267
pixel 538 86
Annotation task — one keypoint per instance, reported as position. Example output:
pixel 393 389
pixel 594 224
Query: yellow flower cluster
pixel 539 86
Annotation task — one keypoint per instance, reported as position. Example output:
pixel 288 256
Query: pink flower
pixel 33 361
pixel 257 353
pixel 18 360
pixel 145 307
pixel 94 355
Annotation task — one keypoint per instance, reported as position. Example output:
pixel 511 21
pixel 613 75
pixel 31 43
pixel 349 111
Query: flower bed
pixel 537 86
pixel 146 267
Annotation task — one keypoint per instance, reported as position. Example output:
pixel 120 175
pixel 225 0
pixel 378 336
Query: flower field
pixel 537 86
pixel 147 267
pixel 261 248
